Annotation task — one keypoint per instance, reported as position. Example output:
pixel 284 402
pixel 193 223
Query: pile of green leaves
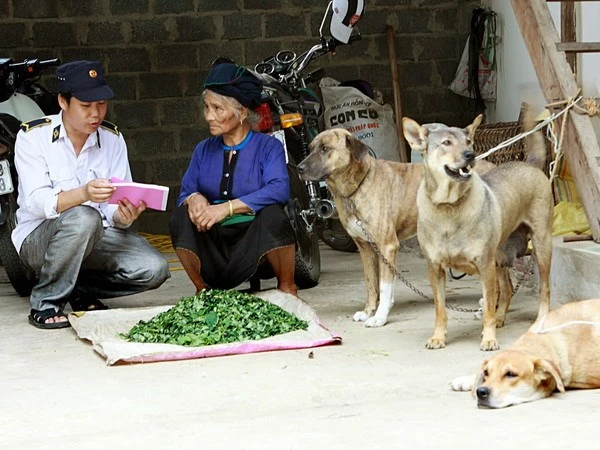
pixel 216 317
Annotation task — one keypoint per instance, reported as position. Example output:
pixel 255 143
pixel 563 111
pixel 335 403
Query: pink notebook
pixel 154 195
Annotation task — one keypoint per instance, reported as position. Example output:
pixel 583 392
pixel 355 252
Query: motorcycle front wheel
pixel 332 233
pixel 308 256
pixel 21 277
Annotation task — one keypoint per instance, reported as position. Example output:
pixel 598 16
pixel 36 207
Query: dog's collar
pixel 348 196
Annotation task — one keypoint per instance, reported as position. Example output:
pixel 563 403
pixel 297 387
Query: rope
pixel 590 107
pixel 539 126
pixel 554 165
pixel 540 329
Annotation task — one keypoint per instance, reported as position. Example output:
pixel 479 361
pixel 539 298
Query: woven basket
pixel 488 136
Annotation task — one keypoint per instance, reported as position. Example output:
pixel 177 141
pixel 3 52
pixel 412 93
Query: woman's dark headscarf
pixel 237 82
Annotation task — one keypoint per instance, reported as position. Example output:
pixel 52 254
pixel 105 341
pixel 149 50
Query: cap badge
pixel 93 73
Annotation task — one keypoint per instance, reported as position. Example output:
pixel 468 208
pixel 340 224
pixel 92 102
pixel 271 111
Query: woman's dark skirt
pixel 230 255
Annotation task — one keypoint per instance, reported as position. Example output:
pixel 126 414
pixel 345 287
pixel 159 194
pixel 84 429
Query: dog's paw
pixel 360 316
pixel 463 383
pixel 434 343
pixel 374 322
pixel 499 322
pixel 489 345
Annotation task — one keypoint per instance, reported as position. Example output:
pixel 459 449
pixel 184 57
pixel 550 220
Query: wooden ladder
pixel 551 60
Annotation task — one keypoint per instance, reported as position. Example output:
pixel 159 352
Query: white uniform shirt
pixel 47 165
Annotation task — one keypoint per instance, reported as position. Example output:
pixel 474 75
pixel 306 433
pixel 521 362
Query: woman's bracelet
pixel 230 208
pixel 189 197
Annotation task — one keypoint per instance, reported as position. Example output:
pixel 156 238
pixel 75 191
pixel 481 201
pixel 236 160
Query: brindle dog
pixel 381 194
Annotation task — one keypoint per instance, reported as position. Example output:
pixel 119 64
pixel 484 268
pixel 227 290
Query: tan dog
pixel 466 220
pixel 560 351
pixel 356 178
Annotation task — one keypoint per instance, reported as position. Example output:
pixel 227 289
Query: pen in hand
pixel 98 190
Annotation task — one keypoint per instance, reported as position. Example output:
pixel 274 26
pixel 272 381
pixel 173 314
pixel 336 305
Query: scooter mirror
pixel 324 19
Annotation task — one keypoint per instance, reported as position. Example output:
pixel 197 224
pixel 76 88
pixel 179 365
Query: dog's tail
pixel 535 144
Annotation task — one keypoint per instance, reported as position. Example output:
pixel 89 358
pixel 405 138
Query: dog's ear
pixel 471 128
pixel 415 134
pixel 358 149
pixel 548 375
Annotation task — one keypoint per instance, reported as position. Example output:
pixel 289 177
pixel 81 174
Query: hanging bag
pixel 476 73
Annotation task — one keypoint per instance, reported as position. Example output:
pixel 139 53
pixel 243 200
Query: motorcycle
pixel 21 99
pixel 292 112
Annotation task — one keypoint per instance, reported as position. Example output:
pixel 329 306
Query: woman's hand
pixel 127 212
pixel 203 214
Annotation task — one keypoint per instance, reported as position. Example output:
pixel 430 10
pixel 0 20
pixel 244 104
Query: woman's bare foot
pixel 293 290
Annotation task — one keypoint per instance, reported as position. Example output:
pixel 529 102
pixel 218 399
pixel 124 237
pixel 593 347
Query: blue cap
pixel 237 82
pixel 84 80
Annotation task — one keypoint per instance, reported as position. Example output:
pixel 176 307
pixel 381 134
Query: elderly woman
pixel 229 216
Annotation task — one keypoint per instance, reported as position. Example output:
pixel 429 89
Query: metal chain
pixel 393 268
pixel 527 273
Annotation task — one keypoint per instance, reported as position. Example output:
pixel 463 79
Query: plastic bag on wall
pixel 368 121
pixel 476 73
pixel 486 77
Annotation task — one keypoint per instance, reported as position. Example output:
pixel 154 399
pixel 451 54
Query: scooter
pixel 21 99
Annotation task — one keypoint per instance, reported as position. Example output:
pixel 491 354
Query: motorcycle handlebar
pixel 326 46
pixel 55 62
pixel 32 67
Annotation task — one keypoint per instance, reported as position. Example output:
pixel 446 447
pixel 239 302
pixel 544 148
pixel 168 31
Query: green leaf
pixel 215 317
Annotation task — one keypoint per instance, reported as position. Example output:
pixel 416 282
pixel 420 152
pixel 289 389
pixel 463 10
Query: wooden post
pixel 556 79
pixel 568 30
pixel 396 88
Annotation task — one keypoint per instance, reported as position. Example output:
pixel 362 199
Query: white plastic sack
pixel 368 121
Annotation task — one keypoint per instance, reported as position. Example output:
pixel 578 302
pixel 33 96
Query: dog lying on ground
pixel 362 187
pixel 560 351
pixel 477 224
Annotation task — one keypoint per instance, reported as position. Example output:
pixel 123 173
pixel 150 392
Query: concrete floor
pixel 379 389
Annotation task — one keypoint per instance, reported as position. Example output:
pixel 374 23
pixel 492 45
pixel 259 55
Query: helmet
pixel 345 15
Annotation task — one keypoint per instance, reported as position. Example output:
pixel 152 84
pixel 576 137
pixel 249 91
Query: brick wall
pixel 156 54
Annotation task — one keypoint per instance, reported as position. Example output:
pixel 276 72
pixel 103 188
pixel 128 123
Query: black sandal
pixel 38 319
pixel 91 304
